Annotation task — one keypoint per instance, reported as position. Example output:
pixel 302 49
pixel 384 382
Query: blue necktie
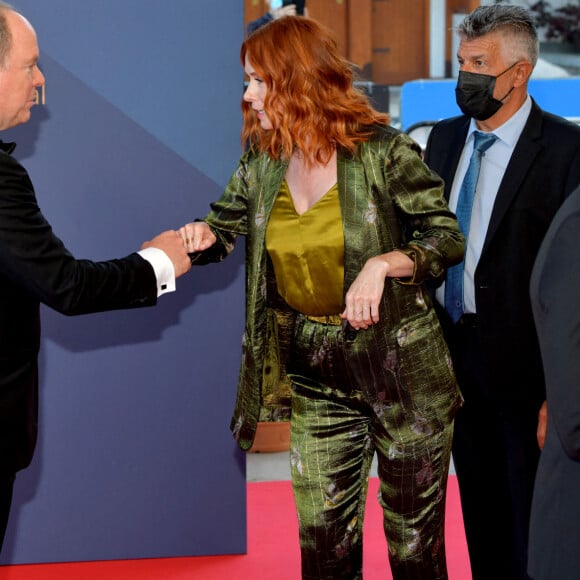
pixel 454 279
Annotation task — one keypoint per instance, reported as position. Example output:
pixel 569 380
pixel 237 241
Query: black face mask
pixel 474 94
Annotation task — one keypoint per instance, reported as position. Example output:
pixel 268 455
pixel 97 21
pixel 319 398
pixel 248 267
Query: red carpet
pixel 272 551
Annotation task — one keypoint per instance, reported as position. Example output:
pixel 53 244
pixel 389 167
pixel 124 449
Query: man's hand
pixel 542 424
pixel 172 244
pixel 289 10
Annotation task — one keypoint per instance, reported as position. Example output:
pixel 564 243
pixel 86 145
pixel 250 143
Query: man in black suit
pixel 35 267
pixel 554 290
pixel 524 177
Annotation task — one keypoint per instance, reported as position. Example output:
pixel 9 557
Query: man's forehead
pixel 24 42
pixel 19 24
pixel 481 46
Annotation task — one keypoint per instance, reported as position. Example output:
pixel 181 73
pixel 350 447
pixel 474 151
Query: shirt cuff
pixel 163 268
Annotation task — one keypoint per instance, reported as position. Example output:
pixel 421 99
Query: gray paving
pixel 276 466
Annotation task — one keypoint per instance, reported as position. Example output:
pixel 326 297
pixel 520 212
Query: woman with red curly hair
pixel 344 225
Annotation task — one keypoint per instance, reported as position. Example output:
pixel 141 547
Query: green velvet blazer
pixel 389 200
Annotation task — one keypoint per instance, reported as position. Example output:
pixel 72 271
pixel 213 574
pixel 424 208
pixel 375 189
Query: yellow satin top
pixel 307 252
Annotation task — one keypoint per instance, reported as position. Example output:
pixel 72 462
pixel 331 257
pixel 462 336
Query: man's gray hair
pixel 515 22
pixel 5 34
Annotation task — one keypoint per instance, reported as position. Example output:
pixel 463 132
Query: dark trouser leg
pixel 495 455
pixel 485 499
pixel 6 487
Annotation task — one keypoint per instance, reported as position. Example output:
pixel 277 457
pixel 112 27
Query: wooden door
pixel 400 40
pixel 254 9
pixel 387 39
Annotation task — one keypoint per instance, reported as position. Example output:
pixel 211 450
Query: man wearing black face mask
pixel 526 161
pixel 474 94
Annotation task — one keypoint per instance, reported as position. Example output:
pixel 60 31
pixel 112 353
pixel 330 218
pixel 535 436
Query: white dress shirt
pixel 163 267
pixel 493 165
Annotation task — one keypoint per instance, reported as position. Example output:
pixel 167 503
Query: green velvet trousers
pixel 335 432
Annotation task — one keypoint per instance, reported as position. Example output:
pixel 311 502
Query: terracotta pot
pixel 271 437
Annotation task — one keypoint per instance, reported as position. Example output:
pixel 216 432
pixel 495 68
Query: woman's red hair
pixel 311 101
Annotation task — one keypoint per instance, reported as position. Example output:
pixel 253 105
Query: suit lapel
pixel 444 159
pixel 524 156
pixel 455 150
pixel 347 190
pixel 272 174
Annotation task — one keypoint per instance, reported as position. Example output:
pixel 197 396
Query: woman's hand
pixel 364 296
pixel 197 236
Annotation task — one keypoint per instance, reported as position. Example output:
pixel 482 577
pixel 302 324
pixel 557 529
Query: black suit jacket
pixel 543 170
pixel 35 267
pixel 555 292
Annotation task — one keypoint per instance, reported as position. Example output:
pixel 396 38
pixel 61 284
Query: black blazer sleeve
pixel 35 262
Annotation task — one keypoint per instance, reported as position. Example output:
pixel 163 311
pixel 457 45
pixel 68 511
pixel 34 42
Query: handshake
pixel 177 245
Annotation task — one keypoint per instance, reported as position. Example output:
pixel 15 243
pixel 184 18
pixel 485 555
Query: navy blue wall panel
pixel 139 131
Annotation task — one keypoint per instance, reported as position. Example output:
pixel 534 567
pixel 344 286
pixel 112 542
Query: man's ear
pixel 523 71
